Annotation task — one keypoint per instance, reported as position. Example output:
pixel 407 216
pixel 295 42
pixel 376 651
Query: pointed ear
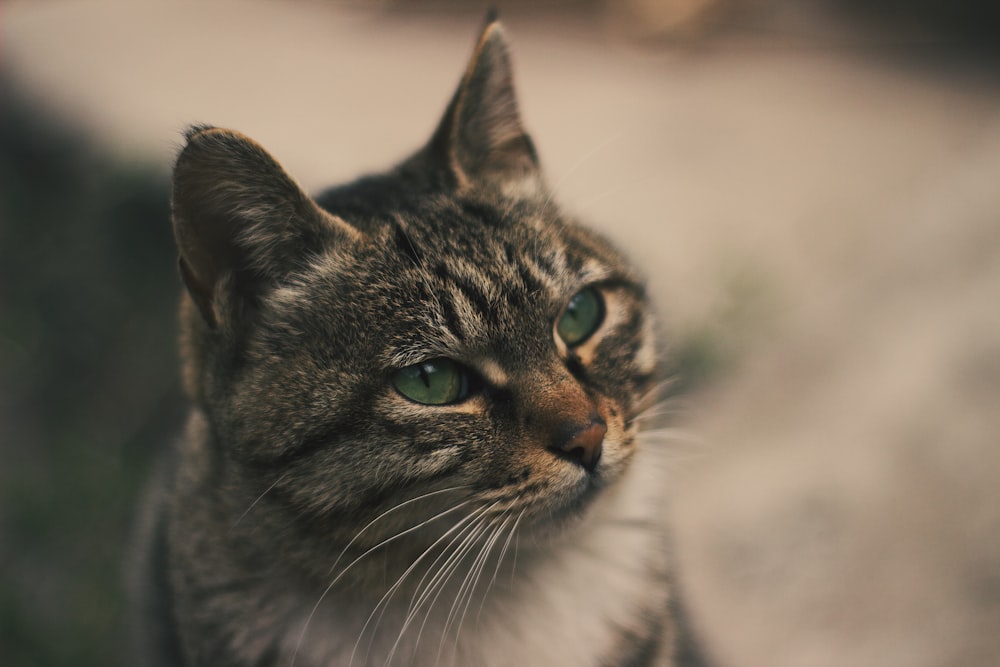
pixel 481 139
pixel 240 221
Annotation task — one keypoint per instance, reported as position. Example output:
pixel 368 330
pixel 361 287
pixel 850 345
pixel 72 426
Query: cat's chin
pixel 576 503
pixel 555 517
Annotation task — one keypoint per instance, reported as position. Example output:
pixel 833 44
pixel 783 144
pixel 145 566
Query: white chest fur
pixel 572 605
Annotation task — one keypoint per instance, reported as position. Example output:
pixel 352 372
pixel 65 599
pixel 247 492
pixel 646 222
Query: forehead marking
pixel 469 317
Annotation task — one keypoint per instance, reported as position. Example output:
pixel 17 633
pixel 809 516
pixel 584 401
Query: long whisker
pixel 477 567
pixel 576 165
pixel 652 395
pixel 658 409
pixel 590 201
pixel 503 553
pixel 383 601
pixel 467 544
pixel 257 500
pixel 465 586
pixel 386 513
pixel 420 590
pixel 554 189
pixel 470 581
pixel 441 578
pixel 449 564
pixel 399 535
pixel 673 434
pixel 393 538
pixel 517 545
pixel 462 537
pixel 465 539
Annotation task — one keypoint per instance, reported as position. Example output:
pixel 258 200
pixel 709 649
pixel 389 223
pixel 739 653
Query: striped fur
pixel 314 515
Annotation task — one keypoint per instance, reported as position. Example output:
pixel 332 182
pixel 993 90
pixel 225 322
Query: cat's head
pixel 440 326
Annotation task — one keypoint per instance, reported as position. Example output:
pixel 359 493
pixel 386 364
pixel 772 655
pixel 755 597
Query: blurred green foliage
pixel 88 380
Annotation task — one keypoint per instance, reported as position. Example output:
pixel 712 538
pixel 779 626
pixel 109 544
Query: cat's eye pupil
pixel 434 382
pixel 583 315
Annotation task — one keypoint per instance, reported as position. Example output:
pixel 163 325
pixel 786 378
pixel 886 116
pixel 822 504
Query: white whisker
pixel 439 581
pixel 393 538
pixel 386 513
pixel 673 434
pixel 590 201
pixel 652 395
pixel 464 549
pixel 503 553
pixel 517 545
pixel 477 567
pixel 655 411
pixel 474 521
pixel 257 500
pixel 382 603
pixel 576 165
pixel 422 592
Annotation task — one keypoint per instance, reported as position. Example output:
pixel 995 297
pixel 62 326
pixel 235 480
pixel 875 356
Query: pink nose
pixel 585 445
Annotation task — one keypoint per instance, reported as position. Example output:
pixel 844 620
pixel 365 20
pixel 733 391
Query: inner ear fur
pixel 240 220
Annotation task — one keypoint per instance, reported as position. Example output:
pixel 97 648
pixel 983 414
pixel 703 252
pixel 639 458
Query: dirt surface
pixel 819 213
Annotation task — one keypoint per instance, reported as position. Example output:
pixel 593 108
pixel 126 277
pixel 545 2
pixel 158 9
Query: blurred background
pixel 812 188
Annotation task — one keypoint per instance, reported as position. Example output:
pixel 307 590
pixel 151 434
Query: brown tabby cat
pixel 415 433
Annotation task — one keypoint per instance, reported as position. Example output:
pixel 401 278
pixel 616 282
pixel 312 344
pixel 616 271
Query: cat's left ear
pixel 481 139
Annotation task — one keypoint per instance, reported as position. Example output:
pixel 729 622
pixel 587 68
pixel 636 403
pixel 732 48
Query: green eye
pixel 435 382
pixel 584 313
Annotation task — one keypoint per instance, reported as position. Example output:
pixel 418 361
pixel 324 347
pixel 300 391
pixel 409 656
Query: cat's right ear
pixel 240 221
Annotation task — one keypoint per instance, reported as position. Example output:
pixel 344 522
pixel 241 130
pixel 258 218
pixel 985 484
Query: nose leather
pixel 584 445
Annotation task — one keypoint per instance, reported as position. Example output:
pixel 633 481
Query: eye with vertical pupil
pixel 583 314
pixel 434 382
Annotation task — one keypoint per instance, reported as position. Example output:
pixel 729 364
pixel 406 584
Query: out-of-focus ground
pixel 816 203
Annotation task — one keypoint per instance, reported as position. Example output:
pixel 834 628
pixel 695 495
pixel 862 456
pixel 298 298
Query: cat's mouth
pixel 548 501
pixel 569 495
pixel 548 515
pixel 576 505
pixel 544 496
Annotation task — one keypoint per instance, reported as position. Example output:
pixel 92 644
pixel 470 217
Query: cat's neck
pixel 497 609
pixel 505 614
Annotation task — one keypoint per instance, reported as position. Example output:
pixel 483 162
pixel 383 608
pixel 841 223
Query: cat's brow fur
pixel 313 515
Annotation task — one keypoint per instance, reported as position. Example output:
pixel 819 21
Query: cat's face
pixel 468 347
pixel 450 337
